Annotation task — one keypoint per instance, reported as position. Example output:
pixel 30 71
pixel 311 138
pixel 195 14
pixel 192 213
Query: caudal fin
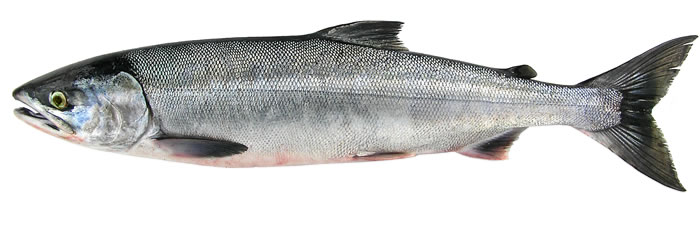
pixel 643 81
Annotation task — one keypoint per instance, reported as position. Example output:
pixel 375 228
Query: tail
pixel 643 81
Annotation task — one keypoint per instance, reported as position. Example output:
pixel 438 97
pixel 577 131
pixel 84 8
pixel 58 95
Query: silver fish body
pixel 346 93
pixel 315 100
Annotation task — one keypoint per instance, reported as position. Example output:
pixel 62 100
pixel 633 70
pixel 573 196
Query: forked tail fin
pixel 643 81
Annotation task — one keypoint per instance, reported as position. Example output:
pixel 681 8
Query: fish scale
pixel 383 101
pixel 346 93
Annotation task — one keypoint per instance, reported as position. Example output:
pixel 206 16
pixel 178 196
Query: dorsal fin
pixel 376 34
pixel 495 148
pixel 521 71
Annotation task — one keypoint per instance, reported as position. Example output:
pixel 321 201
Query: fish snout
pixel 18 92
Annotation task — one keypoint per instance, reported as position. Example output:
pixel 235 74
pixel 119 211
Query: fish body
pixel 298 101
pixel 346 93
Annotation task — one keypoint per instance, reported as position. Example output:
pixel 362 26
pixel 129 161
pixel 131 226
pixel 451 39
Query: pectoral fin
pixel 200 147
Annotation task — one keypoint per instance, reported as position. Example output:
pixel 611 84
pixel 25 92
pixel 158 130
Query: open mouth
pixel 34 118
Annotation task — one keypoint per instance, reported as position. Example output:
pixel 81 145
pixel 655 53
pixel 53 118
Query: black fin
pixel 198 147
pixel 522 71
pixel 376 34
pixel 643 81
pixel 495 148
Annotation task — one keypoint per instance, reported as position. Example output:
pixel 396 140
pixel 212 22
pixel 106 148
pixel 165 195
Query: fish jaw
pixel 36 116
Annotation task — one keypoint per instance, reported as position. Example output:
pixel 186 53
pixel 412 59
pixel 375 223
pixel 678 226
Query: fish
pixel 347 93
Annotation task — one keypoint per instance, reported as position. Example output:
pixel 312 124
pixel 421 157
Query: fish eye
pixel 58 100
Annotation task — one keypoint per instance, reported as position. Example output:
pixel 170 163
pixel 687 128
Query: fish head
pixel 95 103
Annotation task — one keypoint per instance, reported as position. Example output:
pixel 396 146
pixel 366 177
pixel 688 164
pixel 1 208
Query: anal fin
pixel 379 156
pixel 495 148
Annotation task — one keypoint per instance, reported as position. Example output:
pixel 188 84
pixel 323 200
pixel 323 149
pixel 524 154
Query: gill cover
pixel 115 115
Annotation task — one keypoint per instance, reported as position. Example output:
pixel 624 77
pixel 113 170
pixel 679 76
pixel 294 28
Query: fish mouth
pixel 28 115
pixel 40 119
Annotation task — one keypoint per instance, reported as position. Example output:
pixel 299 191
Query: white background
pixel 557 179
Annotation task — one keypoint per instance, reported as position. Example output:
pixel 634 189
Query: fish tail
pixel 643 81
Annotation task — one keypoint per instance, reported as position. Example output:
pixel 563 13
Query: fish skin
pixel 346 93
pixel 317 99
